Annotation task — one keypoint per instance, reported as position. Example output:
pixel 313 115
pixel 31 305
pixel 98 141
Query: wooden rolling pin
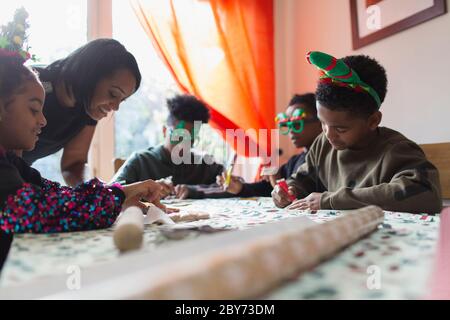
pixel 129 230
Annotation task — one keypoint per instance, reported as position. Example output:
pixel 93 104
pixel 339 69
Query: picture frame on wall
pixel 373 20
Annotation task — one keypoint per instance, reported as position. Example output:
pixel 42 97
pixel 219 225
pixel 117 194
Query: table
pixel 400 252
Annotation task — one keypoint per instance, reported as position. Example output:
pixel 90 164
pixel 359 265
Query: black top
pixel 10 181
pixel 264 188
pixel 63 124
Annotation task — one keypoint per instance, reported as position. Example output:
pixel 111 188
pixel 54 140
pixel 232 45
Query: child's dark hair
pixel 13 74
pixel 308 100
pixel 362 104
pixel 188 108
pixel 89 64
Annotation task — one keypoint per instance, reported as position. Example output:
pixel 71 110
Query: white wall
pixel 417 62
pixel 101 152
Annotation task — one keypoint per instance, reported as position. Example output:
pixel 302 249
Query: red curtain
pixel 222 52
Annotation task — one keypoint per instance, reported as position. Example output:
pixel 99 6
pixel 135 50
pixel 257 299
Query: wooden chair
pixel 439 155
pixel 118 162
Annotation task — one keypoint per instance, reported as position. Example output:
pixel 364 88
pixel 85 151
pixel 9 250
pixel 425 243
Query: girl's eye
pixel 34 111
pixel 341 130
pixel 112 95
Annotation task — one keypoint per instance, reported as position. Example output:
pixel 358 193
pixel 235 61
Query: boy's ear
pixel 375 120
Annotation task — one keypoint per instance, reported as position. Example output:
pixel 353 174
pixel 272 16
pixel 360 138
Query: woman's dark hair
pixel 361 104
pixel 13 74
pixel 85 67
pixel 188 108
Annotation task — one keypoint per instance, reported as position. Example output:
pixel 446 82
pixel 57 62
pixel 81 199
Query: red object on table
pixel 283 185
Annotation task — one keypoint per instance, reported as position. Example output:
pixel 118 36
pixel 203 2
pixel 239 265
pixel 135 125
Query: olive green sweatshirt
pixel 392 173
pixel 155 163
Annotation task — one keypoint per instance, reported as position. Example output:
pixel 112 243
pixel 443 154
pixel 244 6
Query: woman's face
pixel 22 118
pixel 110 92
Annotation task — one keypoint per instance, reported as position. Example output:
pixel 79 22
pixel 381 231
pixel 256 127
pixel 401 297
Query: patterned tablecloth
pixel 392 263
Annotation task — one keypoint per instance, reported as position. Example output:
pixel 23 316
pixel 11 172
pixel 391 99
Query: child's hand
pixel 181 191
pixel 280 197
pixel 148 190
pixel 271 174
pixel 220 180
pixel 172 210
pixel 167 188
pixel 235 185
pixel 273 179
pixel 160 205
pixel 311 202
pixel 134 202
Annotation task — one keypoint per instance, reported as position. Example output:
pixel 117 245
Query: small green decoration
pixel 338 72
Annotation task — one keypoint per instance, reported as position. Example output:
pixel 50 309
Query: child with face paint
pixel 300 123
pixel 355 162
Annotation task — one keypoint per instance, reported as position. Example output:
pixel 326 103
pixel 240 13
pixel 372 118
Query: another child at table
pixel 301 123
pixel 354 162
pixel 30 203
pixel 193 175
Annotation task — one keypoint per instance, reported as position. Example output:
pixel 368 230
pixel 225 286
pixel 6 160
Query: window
pixel 51 37
pixel 138 123
pixel 139 119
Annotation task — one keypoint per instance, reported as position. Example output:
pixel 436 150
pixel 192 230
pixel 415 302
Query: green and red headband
pixel 294 123
pixel 335 71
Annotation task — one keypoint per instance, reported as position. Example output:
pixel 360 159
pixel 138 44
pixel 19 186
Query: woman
pixel 29 202
pixel 80 90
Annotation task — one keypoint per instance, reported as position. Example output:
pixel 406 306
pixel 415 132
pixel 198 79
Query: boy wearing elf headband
pixel 354 162
pixel 179 170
